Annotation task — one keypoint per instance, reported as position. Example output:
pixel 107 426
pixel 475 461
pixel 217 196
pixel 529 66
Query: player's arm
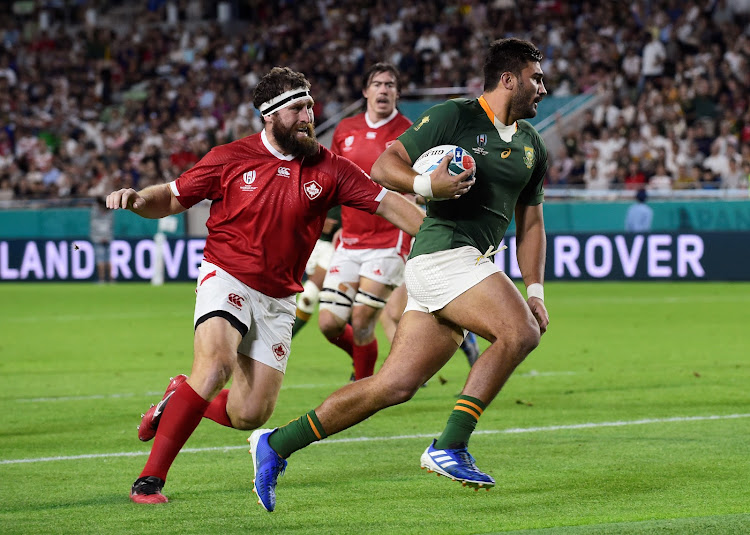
pixel 400 212
pixel 393 170
pixel 152 202
pixel 531 245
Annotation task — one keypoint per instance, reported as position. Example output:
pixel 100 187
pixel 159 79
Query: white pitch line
pixel 588 425
pixel 530 373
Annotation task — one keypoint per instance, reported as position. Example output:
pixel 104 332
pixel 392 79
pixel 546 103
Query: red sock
pixel 345 340
pixel 217 410
pixel 365 358
pixel 182 415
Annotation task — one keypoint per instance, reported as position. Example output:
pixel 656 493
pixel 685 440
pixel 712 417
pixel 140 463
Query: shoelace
pixel 467 459
pixel 489 252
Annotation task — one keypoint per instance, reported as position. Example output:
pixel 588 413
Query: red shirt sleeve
pixel 355 187
pixel 202 181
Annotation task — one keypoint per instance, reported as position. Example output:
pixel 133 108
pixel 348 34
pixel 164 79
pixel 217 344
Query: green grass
pixel 664 366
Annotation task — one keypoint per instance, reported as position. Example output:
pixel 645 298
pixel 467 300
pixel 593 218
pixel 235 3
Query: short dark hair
pixel 275 82
pixel 377 69
pixel 508 55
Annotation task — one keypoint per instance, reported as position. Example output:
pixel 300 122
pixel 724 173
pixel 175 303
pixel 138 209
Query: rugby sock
pixel 365 358
pixel 297 434
pixel 181 416
pixel 345 340
pixel 461 423
pixel 217 409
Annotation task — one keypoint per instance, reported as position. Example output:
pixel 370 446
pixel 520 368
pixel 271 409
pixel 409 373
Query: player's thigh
pixel 214 355
pixel 422 345
pixel 318 276
pixel 493 308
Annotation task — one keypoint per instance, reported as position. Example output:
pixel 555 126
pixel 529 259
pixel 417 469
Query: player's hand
pixel 127 199
pixel 447 186
pixel 540 312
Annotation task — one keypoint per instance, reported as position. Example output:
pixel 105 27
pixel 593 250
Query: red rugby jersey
pixel 268 209
pixel 362 141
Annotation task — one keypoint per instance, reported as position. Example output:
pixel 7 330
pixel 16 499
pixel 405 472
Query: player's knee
pixel 249 418
pixel 397 390
pixel 335 309
pixel 526 339
pixel 330 325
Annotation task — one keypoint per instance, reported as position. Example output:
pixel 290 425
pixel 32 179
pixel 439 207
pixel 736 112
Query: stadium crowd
pixel 100 95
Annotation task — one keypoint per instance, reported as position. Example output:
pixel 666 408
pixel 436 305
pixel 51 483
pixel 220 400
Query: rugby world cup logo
pixel 249 177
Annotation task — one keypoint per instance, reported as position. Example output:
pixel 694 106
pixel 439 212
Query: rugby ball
pixel 431 158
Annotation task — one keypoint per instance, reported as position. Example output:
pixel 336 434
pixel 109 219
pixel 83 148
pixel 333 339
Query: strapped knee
pixel 364 298
pixel 336 302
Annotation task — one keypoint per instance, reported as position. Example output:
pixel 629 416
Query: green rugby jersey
pixel 507 173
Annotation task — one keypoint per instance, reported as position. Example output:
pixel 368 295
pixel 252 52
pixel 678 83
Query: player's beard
pixel 522 103
pixel 291 144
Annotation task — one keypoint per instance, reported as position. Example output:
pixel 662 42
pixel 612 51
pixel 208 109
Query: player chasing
pixel 369 260
pixel 453 285
pixel 270 193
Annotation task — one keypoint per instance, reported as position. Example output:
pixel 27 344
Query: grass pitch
pixel 633 416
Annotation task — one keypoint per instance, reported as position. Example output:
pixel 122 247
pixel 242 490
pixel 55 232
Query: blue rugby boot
pixel 457 464
pixel 470 347
pixel 268 466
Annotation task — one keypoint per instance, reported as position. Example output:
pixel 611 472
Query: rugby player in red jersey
pixel 369 260
pixel 270 193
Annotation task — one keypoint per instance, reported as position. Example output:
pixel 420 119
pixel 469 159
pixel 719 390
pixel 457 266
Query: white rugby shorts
pixel 385 266
pixel 268 320
pixel 434 280
pixel 320 256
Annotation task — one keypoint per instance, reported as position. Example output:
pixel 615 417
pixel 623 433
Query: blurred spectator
pixel 639 216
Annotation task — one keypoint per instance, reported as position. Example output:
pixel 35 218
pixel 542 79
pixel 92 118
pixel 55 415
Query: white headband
pixel 283 100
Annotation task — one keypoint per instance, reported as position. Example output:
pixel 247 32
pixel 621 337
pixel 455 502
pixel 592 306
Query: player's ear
pixel 508 80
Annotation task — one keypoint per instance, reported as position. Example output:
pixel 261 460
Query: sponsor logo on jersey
pixel 312 189
pixel 528 156
pixel 248 178
pixel 425 120
pixel 235 300
pixel 279 351
pixel 482 140
pixel 480 150
pixel 371 135
pixel 505 154
pixel 284 171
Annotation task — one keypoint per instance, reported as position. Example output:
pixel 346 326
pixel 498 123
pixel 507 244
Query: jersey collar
pixel 272 150
pixel 506 132
pixel 382 121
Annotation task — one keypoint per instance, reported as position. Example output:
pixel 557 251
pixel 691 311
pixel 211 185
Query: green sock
pixel 461 423
pixel 298 324
pixel 297 434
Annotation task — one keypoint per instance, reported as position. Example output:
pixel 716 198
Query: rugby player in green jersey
pixel 453 284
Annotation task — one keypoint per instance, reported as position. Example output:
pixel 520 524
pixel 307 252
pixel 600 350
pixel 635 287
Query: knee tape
pixel 364 298
pixel 336 302
pixel 308 298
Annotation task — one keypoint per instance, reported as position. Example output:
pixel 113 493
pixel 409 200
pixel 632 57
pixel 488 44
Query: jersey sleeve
pixel 202 181
pixel 434 127
pixel 533 193
pixel 355 188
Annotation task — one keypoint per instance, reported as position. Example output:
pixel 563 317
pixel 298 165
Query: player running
pixel 453 285
pixel 369 261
